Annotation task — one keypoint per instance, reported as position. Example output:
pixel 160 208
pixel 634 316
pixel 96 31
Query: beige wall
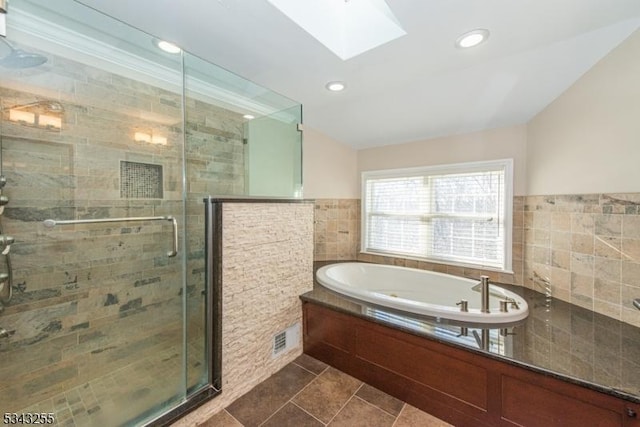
pixel 588 139
pixel 329 168
pixel 486 145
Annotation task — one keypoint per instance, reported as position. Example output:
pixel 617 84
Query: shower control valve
pixel 5 244
pixel 4 200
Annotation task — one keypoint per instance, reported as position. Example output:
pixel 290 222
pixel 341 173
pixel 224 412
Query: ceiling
pixel 418 86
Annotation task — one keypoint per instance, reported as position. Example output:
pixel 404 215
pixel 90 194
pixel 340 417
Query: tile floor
pixel 308 392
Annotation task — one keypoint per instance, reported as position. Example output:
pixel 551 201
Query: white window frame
pixel 457 168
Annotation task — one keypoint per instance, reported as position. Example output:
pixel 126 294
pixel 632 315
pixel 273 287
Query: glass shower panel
pixel 219 106
pixel 91 130
pixel 273 154
pixel 249 135
pixel 214 165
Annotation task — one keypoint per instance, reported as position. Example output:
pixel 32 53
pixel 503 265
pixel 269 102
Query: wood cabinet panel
pixel 527 404
pixel 450 376
pixel 461 387
pixel 327 327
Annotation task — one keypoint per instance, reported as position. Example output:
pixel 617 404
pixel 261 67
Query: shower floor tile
pixel 313 394
pixel 120 396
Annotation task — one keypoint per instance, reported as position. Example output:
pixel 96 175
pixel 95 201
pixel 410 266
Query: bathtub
pixel 419 291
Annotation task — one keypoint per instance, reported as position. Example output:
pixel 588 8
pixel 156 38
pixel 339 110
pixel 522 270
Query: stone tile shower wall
pixel 82 293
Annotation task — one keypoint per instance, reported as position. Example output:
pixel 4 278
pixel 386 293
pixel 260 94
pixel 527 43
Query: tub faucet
pixel 484 294
pixel 484 340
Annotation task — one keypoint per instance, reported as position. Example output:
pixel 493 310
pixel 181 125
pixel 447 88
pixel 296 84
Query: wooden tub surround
pixel 563 366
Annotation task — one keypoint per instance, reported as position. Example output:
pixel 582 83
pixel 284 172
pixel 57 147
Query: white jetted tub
pixel 420 291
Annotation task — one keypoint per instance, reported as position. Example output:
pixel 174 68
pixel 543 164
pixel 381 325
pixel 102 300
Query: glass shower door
pixel 92 152
pixel 241 139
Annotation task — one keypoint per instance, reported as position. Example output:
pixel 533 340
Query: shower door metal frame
pixel 212 293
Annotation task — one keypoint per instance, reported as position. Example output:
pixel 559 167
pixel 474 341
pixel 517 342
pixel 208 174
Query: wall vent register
pixel 286 340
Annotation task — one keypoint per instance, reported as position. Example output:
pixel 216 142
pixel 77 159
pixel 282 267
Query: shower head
pixel 18 58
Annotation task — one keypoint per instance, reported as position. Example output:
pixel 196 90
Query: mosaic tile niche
pixel 96 316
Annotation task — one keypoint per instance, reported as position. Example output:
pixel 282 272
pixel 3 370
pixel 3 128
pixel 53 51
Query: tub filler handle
pixel 504 306
pixel 636 303
pixel 50 223
pixel 464 305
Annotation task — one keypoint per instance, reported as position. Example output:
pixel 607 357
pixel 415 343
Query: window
pixel 458 214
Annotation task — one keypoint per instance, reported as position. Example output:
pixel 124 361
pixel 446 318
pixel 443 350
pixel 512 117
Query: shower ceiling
pixel 415 87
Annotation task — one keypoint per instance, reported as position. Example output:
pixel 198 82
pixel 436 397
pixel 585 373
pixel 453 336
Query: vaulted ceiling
pixel 418 86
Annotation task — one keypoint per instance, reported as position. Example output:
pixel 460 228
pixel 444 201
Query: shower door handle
pixel 50 223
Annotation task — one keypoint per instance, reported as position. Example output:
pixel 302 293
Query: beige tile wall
pixel 587 247
pixel 267 264
pixel 337 229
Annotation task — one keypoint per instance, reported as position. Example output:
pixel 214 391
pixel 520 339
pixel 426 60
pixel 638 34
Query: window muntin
pixel 455 214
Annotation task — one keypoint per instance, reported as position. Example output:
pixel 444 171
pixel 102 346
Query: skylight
pixel 346 27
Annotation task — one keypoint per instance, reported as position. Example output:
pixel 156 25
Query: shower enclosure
pixel 108 148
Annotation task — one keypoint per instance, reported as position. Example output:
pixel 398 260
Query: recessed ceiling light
pixel 335 86
pixel 249 117
pixel 167 47
pixel 472 38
